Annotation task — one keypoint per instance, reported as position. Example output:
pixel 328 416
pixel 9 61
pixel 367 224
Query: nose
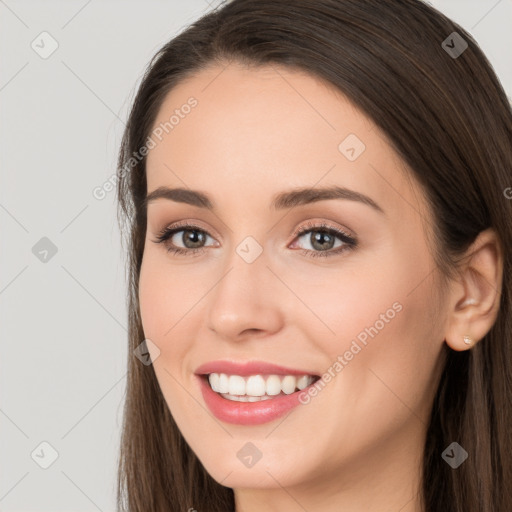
pixel 246 301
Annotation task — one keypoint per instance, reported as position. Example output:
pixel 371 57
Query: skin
pixel 358 444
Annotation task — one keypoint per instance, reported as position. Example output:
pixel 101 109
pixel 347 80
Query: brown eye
pixel 322 240
pixel 192 238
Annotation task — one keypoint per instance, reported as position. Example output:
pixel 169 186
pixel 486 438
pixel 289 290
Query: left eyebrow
pixel 283 200
pixel 302 196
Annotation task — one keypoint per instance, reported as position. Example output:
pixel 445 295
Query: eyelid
pixel 190 224
pixel 349 242
pixel 322 224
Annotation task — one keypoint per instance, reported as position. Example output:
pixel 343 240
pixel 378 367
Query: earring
pixel 467 340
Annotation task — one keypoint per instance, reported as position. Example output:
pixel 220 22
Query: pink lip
pixel 247 413
pixel 248 368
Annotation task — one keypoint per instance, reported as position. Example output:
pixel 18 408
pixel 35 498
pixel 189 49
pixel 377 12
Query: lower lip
pixel 247 413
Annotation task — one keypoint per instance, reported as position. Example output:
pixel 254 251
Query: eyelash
pixel 349 241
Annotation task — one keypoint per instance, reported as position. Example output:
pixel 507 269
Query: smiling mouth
pixel 256 388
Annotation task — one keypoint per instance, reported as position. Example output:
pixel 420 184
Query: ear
pixel 475 295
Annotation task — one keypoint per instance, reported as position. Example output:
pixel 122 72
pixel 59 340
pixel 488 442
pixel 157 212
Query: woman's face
pixel 248 289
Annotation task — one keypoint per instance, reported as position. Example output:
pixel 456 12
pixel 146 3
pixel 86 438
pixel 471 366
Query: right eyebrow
pixel 180 195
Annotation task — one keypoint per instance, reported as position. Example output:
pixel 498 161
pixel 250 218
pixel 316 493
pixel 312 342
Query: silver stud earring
pixel 467 340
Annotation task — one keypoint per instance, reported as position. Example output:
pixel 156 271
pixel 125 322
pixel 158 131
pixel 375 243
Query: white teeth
pixel 214 382
pixel 236 385
pixel 273 386
pixel 289 384
pixel 256 387
pixel 223 384
pixel 245 398
pixel 303 382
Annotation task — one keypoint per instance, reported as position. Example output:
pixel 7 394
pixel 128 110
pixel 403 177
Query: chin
pixel 266 473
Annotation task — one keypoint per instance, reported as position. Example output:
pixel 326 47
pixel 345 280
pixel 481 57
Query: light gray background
pixel 63 348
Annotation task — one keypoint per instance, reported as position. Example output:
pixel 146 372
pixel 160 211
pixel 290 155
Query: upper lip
pixel 244 368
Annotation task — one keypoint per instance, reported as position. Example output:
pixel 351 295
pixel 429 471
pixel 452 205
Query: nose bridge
pixel 244 297
pixel 246 266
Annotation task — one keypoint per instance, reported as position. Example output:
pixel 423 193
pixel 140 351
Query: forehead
pixel 258 130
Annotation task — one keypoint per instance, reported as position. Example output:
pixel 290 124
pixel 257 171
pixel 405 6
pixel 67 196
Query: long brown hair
pixel 449 119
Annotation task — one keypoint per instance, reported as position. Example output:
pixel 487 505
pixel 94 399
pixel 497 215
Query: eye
pixel 192 237
pixel 322 240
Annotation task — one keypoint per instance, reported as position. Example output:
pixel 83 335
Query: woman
pixel 316 202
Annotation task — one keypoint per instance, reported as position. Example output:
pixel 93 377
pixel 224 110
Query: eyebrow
pixel 281 201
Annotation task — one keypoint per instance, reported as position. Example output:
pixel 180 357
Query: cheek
pixel 167 294
pixel 386 289
pixel 379 311
pixel 387 337
pixel 166 301
pixel 363 292
pixel 153 301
